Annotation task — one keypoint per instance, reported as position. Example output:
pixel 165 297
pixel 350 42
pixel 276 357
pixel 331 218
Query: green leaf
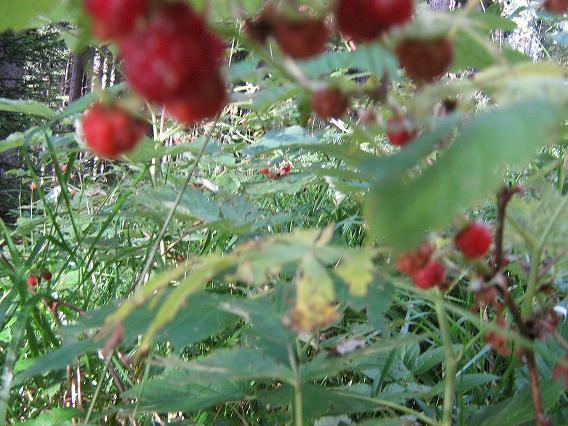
pixel 26 107
pixel 518 409
pixel 294 136
pixel 17 15
pixel 464 175
pixel 55 417
pixel 175 392
pixel 356 269
pixel 235 364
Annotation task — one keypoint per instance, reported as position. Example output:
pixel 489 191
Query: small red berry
pixel 425 60
pixel 174 54
pixel 365 20
pixel 429 276
pixel 285 169
pixel 329 103
pixel 556 6
pixel 46 275
pixel 32 280
pixel 474 240
pixel 63 168
pixel 205 101
pixel 400 131
pixel 264 171
pixel 110 131
pixel 411 262
pixel 113 19
pixel 303 38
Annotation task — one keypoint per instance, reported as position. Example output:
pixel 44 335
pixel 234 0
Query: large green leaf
pixel 469 171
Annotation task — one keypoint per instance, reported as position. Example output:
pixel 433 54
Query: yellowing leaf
pixel 356 270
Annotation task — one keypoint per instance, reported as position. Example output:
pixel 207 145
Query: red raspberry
pixel 46 275
pixel 429 276
pixel 329 103
pixel 303 38
pixel 556 6
pixel 264 171
pixel 425 60
pixel 113 19
pixel 474 240
pixel 174 54
pixel 400 131
pixel 411 262
pixel 32 280
pixel 110 131
pixel 365 20
pixel 202 102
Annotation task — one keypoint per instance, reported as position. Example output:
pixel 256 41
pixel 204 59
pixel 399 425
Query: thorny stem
pixel 449 388
pixel 503 198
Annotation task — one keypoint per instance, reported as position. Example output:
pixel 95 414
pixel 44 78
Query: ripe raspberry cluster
pixel 33 279
pixel 426 272
pixel 300 37
pixel 400 130
pixel 110 131
pixel 170 57
pixel 282 170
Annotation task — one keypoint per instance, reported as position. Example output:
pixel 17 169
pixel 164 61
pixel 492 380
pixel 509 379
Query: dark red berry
pixel 365 20
pixel 303 38
pixel 113 19
pixel 412 261
pixel 425 60
pixel 264 171
pixel 201 102
pixel 110 131
pixel 556 6
pixel 46 275
pixel 432 274
pixel 173 55
pixel 261 27
pixel 329 103
pixel 32 280
pixel 400 131
pixel 474 240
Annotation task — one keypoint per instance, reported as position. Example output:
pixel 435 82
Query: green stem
pixel 298 410
pixel 451 364
pixel 98 389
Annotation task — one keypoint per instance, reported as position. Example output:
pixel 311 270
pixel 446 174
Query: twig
pixel 503 198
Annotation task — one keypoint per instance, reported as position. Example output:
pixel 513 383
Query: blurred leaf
pixel 55 417
pixel 488 143
pixel 356 269
pixel 518 409
pixel 26 107
pixel 294 136
pixel 235 364
pixel 16 15
pixel 173 392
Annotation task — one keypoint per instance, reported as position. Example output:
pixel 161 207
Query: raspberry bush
pixel 289 212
